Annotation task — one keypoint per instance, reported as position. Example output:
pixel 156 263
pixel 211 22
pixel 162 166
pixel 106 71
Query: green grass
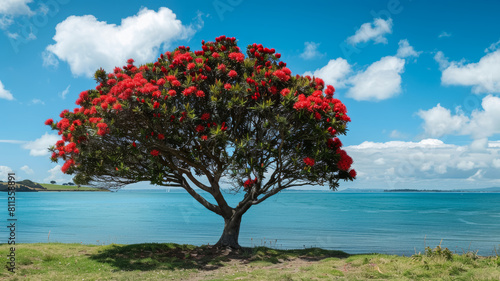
pixel 57 187
pixel 55 261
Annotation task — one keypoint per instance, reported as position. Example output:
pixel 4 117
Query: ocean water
pixel 392 223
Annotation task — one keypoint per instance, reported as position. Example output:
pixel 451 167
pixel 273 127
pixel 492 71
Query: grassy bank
pixel 55 261
pixel 57 187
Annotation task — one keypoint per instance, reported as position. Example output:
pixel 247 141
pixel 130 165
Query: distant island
pixel 30 186
pixel 491 189
pixel 478 190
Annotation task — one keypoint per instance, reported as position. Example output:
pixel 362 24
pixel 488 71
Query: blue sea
pixel 392 223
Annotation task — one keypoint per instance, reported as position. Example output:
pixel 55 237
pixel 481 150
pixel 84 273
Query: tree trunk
pixel 229 237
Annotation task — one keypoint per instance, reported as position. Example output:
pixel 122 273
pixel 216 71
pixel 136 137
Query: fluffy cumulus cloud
pixel 398 164
pixel 15 7
pixel 481 124
pixel 27 170
pixel 39 147
pixel 482 76
pixel 334 73
pixel 381 80
pixel 311 51
pixel 86 43
pixel 375 31
pixel 55 174
pixel 405 50
pixel 4 170
pixel 5 94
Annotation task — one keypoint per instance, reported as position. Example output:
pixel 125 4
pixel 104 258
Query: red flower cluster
pixel 345 161
pixel 239 57
pixel 309 161
pixel 205 116
pixel 103 129
pixel 249 183
pixel 155 152
pixel 232 74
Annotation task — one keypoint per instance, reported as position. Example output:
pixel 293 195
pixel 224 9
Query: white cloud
pixel 49 60
pixel 481 124
pixel 381 80
pixel 438 121
pixel 39 147
pixel 405 50
pixel 87 44
pixel 483 76
pixel 27 169
pixel 5 94
pixel 441 60
pixel 372 31
pixel 4 170
pixel 444 34
pixel 65 92
pixel 55 174
pixel 493 47
pixel 477 176
pixel 311 51
pixel 398 164
pixel 395 134
pixel 15 7
pixel 12 141
pixel 334 73
pixel 37 101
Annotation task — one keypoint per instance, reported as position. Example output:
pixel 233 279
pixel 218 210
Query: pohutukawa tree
pixel 199 119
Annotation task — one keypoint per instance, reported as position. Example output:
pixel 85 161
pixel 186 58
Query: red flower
pixel 200 93
pixel 205 116
pixel 130 61
pixel 227 86
pixel 176 83
pixel 285 92
pixel 317 116
pixel 117 106
pixel 104 105
pixel 232 74
pixel 309 161
pixel 352 173
pixel 103 129
pixel 155 152
pixel 190 66
pixel 156 104
pixel 63 113
pixel 345 161
pixel 200 128
pixel 172 93
pixel 49 121
pixel 249 183
pixel 239 57
pixel 329 90
pixel 133 144
pixel 222 67
pixel 161 136
pixel 215 55
pixel 204 137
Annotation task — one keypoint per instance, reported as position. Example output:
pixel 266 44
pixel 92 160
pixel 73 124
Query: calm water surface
pixel 393 223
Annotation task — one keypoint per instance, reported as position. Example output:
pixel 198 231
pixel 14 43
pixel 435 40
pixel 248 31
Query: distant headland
pixel 30 186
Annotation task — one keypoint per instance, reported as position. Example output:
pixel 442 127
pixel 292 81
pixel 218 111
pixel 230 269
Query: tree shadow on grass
pixel 170 256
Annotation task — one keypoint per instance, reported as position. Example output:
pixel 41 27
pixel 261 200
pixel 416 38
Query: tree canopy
pixel 200 119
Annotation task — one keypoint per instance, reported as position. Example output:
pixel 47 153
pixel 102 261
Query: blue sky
pixel 421 79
